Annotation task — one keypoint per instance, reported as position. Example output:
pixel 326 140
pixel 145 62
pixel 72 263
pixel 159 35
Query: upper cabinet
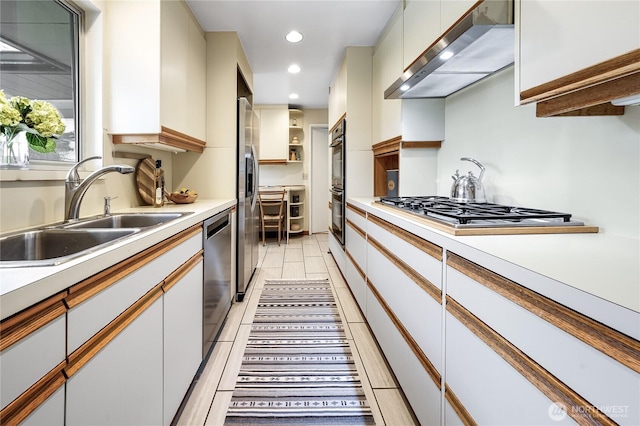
pixel 576 56
pixel 421 27
pixel 296 136
pixel 387 66
pixel 274 134
pixel 156 75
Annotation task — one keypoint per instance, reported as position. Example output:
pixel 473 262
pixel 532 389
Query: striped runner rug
pixel 297 368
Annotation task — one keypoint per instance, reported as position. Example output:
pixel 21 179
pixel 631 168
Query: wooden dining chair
pixel 272 212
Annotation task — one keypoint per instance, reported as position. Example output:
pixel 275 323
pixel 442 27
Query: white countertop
pixel 603 265
pixel 22 287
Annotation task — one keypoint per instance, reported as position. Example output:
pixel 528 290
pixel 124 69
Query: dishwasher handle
pixel 216 226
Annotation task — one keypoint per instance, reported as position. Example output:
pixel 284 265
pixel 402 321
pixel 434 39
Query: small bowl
pixel 181 198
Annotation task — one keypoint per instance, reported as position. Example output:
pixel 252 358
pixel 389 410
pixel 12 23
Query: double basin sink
pixel 56 244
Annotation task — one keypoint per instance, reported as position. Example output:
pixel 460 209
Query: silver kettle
pixel 468 189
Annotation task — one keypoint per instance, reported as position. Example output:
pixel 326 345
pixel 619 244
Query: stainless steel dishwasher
pixel 217 276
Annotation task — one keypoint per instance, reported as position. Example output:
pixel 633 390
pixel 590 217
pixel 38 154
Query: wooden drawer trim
pixel 95 344
pixel 277 162
pixel 413 345
pixel 618 346
pixel 458 407
pixel 82 291
pixel 617 67
pixel 415 276
pixel 577 407
pixel 356 228
pixel 166 136
pixel 355 265
pixel 183 270
pixel 357 210
pixel 25 404
pixel 23 323
pixel 337 122
pixel 388 147
pixel 424 245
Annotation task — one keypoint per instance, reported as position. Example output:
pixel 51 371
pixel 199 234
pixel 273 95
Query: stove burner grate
pixel 465 213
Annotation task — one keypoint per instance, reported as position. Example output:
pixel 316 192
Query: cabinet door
pixel 274 134
pixel 421 28
pixel 49 413
pixel 182 338
pixel 122 384
pixel 561 37
pixel 387 67
pixel 452 10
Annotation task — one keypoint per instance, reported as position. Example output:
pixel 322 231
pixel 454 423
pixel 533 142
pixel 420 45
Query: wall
pixel 586 166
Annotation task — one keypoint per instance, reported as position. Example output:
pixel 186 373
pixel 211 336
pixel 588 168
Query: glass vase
pixel 14 152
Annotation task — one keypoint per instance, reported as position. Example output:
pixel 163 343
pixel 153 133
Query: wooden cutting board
pixel 145 179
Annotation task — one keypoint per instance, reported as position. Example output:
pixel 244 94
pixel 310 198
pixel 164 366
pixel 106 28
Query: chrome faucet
pixel 74 188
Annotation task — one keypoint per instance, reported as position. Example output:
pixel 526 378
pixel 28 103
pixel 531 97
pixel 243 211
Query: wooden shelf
pixel 167 139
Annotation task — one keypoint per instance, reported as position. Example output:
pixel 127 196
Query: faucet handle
pixel 107 205
pixel 72 175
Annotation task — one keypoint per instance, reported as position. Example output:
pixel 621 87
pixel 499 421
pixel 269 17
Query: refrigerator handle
pixel 254 158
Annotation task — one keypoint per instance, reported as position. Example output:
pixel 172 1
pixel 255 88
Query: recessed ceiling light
pixel 294 69
pixel 293 96
pixel 294 37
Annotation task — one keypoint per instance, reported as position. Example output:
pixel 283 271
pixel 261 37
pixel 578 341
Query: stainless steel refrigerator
pixel 248 209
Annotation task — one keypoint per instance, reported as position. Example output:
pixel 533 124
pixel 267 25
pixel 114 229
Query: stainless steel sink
pixel 60 243
pixel 53 246
pixel 125 220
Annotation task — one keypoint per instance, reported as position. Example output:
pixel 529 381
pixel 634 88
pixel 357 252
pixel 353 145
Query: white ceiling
pixel 328 27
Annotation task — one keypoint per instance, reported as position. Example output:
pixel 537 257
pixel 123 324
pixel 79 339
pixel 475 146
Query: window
pixel 39 43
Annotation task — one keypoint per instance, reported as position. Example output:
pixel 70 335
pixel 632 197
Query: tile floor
pixel 303 257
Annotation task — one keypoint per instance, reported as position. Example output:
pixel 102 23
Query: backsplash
pixel 586 166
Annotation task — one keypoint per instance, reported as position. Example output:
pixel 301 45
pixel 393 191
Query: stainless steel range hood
pixel 479 44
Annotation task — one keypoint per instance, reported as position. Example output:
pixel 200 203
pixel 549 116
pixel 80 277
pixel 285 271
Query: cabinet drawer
pixel 419 387
pixel 592 360
pixel 25 362
pixel 92 314
pixel 418 310
pixel 356 244
pixel 421 255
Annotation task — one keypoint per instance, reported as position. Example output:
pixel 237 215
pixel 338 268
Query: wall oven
pixel 337 214
pixel 337 156
pixel 337 180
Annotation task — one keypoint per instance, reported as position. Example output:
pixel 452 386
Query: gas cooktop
pixel 460 215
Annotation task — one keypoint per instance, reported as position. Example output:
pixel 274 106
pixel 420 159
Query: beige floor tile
pixel 234 317
pixel 372 358
pixel 394 408
pixel 197 407
pixel 232 367
pixel 351 311
pixel 366 386
pixel 318 276
pixel 293 270
pixel 336 276
pixel 293 254
pixel 314 265
pixel 219 408
pixel 273 259
pixel 311 250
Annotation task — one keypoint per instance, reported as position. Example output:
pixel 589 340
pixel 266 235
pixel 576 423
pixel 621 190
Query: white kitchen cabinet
pixel 274 135
pixel 387 67
pixel 50 412
pixel 87 315
pixel 32 353
pixel 296 136
pixel 558 38
pixel 296 206
pixel 421 28
pixel 182 335
pixel 422 392
pixel 452 10
pixel 122 384
pixel 582 359
pixel 356 252
pixel 157 75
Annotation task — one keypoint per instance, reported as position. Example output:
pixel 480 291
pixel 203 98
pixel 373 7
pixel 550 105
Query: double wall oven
pixel 337 180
